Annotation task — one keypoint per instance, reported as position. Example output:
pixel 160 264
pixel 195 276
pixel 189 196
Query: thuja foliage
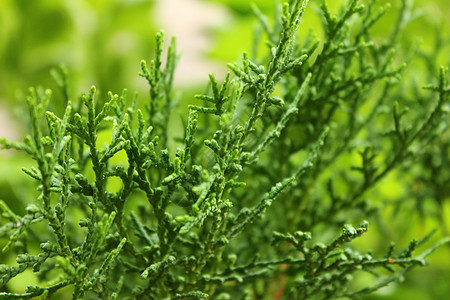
pixel 240 205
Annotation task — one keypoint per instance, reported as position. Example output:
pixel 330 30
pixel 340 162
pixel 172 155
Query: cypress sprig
pixel 286 151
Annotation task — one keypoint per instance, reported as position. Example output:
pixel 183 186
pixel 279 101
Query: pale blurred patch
pixel 191 21
pixel 7 125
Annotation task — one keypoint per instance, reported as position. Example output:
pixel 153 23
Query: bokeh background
pixel 101 43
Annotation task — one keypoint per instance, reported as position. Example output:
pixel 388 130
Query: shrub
pixel 273 162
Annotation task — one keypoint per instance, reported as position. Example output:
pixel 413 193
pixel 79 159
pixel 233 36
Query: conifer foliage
pixel 286 150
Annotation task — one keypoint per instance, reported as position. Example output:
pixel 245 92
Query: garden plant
pixel 265 190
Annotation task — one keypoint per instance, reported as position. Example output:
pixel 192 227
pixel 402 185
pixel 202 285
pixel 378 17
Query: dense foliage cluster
pixel 273 162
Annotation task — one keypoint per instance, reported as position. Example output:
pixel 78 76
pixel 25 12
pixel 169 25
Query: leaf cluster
pixel 229 213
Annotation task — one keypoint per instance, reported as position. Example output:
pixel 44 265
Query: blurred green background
pixel 101 43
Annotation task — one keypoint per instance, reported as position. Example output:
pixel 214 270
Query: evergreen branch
pixel 192 222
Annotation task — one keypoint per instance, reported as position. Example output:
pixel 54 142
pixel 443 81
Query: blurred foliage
pixel 100 42
pixel 431 17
